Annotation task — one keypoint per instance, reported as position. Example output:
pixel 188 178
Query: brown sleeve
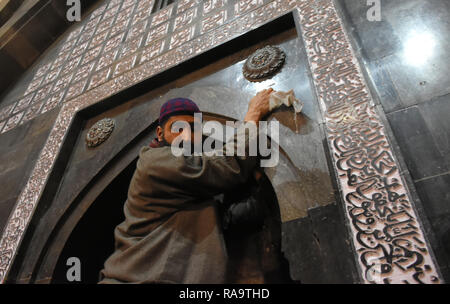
pixel 196 176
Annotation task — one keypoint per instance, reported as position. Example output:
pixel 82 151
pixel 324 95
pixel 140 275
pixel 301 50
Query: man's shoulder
pixel 154 157
pixel 149 152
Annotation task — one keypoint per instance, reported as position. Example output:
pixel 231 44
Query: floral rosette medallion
pixel 263 63
pixel 99 132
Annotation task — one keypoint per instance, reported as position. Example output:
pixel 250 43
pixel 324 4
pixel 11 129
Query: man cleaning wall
pixel 172 231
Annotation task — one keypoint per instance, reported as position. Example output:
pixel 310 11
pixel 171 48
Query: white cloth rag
pixel 278 98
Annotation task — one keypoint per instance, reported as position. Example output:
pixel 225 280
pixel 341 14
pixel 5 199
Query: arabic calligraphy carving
pixel 386 233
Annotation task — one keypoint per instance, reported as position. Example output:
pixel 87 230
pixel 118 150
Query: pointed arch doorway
pixel 255 254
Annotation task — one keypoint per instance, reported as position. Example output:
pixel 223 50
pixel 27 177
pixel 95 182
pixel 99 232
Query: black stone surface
pixel 406 57
pixel 318 248
pixel 435 196
pixel 416 141
pixel 436 114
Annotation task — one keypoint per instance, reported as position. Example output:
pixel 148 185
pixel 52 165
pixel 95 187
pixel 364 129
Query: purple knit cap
pixel 177 106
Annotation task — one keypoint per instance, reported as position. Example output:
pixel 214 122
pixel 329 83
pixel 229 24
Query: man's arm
pixel 258 106
pixel 205 175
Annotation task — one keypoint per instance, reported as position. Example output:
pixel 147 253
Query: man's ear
pixel 159 133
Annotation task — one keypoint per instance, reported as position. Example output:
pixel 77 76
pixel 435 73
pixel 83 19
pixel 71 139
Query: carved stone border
pixel 386 233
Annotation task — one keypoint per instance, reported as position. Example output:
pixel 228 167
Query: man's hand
pixel 258 106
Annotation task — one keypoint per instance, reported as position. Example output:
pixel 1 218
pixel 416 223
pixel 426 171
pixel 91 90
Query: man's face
pixel 169 136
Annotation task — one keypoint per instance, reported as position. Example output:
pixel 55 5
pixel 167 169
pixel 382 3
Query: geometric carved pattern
pixel 184 19
pixel 185 4
pixel 210 5
pixel 213 21
pixel 385 230
pixel 243 6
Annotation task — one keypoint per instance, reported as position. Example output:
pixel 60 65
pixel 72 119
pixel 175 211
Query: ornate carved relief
pixel 263 63
pixel 99 132
pixel 386 233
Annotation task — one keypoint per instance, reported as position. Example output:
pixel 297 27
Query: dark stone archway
pixel 254 251
pixel 311 222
